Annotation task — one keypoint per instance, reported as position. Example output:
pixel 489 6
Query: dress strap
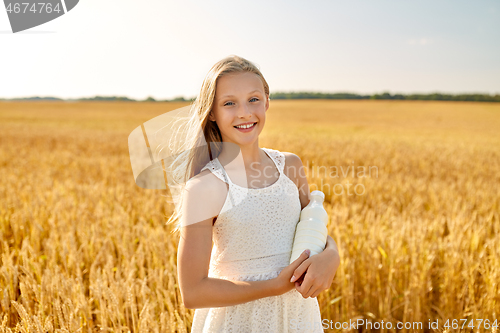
pixel 216 168
pixel 277 157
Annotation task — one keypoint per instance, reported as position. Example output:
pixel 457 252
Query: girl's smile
pixel 246 127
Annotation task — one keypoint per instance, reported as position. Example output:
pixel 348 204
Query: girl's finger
pixel 300 270
pixel 302 257
pixel 309 292
pixel 316 293
pixel 305 287
pixel 298 287
pixel 313 292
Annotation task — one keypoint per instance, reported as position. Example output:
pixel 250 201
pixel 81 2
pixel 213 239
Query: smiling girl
pixel 246 200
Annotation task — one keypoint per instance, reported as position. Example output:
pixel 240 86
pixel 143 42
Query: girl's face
pixel 240 100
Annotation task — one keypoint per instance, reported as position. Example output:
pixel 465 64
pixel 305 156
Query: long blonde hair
pixel 189 153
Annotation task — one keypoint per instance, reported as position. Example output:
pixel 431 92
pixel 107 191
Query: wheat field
pixel 84 249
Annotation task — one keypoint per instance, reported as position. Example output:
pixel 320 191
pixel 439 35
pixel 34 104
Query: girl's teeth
pixel 245 126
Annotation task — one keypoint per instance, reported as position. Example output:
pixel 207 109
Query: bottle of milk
pixel 311 232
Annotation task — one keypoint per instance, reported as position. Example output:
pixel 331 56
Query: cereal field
pixel 412 190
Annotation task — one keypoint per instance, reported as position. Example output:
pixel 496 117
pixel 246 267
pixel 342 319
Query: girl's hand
pixel 319 272
pixel 283 283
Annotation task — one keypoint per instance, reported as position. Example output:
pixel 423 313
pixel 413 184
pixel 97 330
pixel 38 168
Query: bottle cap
pixel 318 193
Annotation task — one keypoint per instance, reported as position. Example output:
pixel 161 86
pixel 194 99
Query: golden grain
pixel 84 249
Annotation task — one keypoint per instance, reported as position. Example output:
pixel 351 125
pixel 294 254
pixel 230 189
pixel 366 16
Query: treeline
pixel 298 95
pixel 99 98
pixel 315 95
pixel 441 97
pixel 386 95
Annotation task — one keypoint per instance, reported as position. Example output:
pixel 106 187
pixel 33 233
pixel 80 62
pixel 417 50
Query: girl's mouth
pixel 245 128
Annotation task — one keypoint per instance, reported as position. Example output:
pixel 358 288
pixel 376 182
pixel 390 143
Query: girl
pixel 244 283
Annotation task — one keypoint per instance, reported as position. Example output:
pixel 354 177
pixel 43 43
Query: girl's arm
pixel 320 269
pixel 193 256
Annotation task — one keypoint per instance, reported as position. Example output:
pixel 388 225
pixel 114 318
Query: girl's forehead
pixel 238 83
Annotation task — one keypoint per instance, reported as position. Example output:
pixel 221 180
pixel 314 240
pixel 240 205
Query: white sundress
pixel 253 238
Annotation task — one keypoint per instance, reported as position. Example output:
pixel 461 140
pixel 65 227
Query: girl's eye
pixel 225 104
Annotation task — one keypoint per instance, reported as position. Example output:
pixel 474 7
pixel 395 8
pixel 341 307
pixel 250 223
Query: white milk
pixel 311 231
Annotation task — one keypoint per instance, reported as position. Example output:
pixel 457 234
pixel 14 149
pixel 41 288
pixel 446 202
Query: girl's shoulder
pixel 291 165
pixel 206 194
pixel 209 178
pixel 278 156
pixel 294 170
pixel 285 157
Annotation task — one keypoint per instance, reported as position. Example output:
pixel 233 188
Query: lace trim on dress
pixel 216 170
pixel 278 157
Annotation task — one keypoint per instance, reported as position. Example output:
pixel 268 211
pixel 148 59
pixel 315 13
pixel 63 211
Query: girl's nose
pixel 244 111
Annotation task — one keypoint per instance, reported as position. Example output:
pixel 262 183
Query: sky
pixel 164 48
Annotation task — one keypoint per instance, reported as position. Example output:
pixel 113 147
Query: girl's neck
pixel 245 154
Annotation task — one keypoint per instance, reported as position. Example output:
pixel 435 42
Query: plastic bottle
pixel 311 231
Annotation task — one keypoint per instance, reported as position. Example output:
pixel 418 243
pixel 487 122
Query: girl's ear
pixel 211 116
pixel 267 103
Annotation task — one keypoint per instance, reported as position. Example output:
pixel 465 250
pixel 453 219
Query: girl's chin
pixel 242 141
